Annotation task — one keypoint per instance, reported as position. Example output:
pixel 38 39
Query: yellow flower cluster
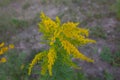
pixel 47 25
pixel 51 56
pixel 73 50
pixel 4 49
pixel 53 29
pixel 50 28
pixel 71 31
pixel 51 59
pixel 3 60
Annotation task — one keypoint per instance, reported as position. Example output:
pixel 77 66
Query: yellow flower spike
pixel 37 58
pixel 3 60
pixel 51 59
pixel 1 52
pixel 2 44
pixel 72 50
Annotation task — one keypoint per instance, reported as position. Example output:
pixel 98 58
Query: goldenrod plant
pixel 63 40
pixel 4 49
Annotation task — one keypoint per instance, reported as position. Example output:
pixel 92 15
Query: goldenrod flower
pixel 1 52
pixel 51 59
pixel 2 44
pixel 73 50
pixel 37 58
pixel 11 46
pixel 3 60
pixel 4 49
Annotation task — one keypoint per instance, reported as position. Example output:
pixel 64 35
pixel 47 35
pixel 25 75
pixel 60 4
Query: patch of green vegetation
pixel 117 33
pixel 116 61
pixel 116 8
pixel 80 76
pixel 112 58
pixel 98 32
pixel 106 55
pixel 108 76
pixel 19 23
pixel 15 68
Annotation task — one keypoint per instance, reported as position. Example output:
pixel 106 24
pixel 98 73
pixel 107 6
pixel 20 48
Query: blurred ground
pixel 95 15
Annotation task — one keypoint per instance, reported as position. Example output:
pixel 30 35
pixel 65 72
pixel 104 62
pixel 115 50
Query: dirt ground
pixel 90 14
